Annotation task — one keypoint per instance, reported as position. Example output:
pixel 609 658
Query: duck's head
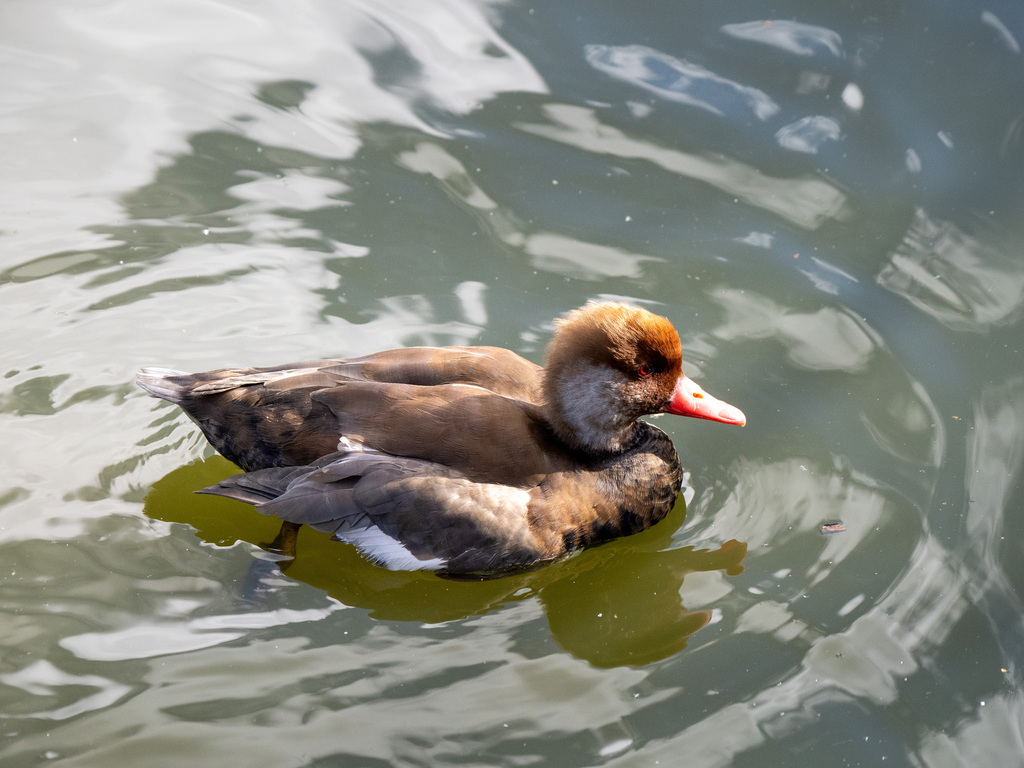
pixel 609 364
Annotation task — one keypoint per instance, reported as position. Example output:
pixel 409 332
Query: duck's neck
pixel 584 409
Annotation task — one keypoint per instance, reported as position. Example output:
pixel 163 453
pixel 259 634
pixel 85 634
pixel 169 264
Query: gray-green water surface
pixel 825 198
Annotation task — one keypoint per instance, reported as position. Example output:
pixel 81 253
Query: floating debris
pixel 836 527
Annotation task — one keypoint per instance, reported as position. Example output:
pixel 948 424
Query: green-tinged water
pixel 825 198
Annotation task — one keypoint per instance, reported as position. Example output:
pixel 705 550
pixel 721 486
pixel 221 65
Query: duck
pixel 464 460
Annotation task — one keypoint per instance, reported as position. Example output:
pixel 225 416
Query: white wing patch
pixel 389 552
pixel 349 446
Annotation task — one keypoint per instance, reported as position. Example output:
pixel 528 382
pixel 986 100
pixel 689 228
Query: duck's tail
pixel 160 382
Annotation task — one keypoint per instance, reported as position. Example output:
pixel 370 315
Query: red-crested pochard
pixel 461 460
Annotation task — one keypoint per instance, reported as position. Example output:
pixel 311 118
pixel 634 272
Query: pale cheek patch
pixel 592 406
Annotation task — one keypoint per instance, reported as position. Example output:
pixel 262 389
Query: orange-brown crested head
pixel 607 365
pixel 620 335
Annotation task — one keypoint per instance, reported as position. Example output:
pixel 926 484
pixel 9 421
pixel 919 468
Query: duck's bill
pixel 688 399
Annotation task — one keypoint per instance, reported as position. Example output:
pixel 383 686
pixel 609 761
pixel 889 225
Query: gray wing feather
pixel 405 514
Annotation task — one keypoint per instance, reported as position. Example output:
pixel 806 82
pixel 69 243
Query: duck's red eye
pixel 644 370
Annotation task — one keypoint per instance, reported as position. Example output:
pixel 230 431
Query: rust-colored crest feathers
pixel 618 335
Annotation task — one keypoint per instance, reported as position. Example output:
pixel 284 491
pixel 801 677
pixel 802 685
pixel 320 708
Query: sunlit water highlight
pixel 825 201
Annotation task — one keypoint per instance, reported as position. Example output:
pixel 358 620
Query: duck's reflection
pixel 618 604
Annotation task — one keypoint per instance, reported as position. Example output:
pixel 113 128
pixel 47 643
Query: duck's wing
pixel 492 368
pixel 268 417
pixel 487 437
pixel 404 514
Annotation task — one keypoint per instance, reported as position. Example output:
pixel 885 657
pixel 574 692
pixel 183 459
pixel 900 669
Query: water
pixel 824 198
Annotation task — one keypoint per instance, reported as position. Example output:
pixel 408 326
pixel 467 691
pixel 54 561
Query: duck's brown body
pixel 282 416
pixel 459 459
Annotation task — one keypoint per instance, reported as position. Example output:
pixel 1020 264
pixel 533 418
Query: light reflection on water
pixel 803 202
pixel 825 204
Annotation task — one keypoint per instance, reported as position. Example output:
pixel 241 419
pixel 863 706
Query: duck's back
pixel 269 417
